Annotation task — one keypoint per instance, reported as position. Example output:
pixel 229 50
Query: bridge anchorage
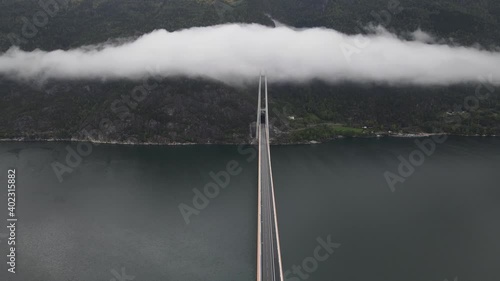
pixel 269 266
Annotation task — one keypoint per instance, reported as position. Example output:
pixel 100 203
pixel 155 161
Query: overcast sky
pixel 235 52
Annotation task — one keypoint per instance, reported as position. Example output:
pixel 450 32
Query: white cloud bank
pixel 419 35
pixel 235 52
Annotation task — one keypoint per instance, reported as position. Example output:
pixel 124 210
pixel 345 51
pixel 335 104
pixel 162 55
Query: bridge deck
pixel 269 250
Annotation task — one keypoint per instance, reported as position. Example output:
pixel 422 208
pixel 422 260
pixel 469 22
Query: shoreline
pixel 310 142
pixel 98 142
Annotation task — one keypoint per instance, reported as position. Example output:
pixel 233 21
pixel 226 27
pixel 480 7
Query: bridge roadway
pixel 269 267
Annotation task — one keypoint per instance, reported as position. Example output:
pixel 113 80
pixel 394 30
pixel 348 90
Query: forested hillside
pixel 466 21
pixel 198 110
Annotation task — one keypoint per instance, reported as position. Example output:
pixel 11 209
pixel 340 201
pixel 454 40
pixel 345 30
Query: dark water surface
pixel 118 212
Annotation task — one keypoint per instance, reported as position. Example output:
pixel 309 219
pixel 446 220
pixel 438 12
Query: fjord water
pixel 118 212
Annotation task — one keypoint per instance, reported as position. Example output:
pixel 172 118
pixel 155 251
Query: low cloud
pixel 422 36
pixel 235 53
